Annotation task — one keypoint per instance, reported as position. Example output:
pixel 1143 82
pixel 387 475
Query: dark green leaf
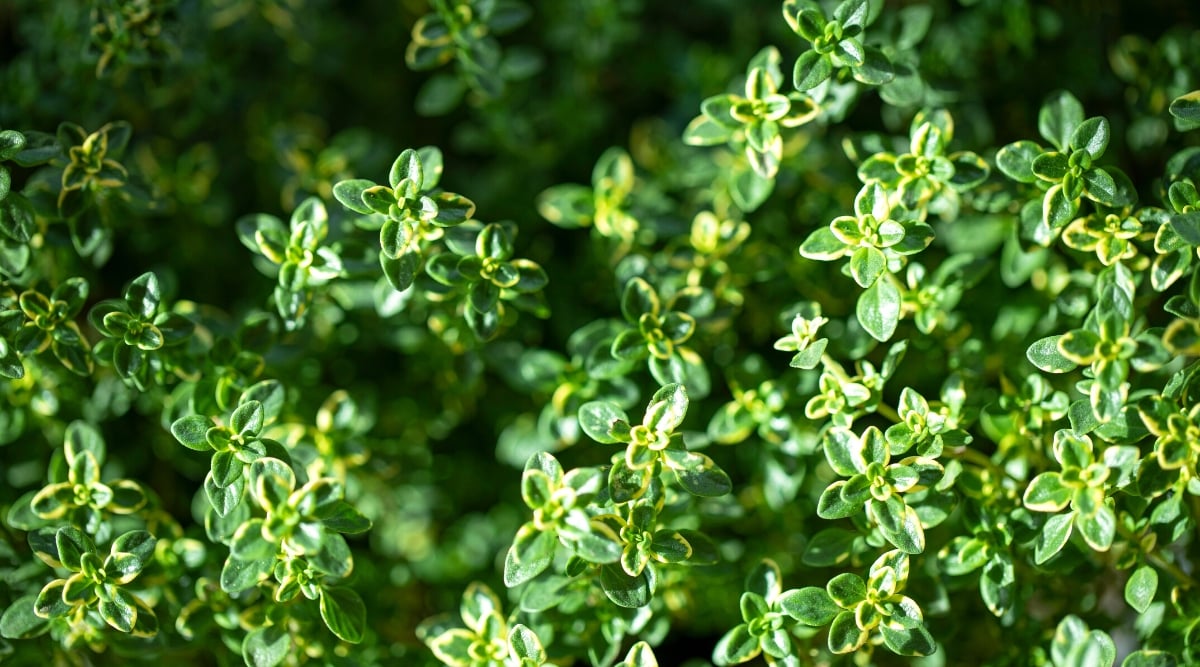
pixel 400 271
pixel 483 296
pixel 226 469
pixel 626 591
pixel 626 484
pixel 484 324
pixel 342 517
pixel 138 543
pixel 640 655
pixel 525 644
pixel 11 143
pixel 1058 118
pixel 844 634
pixel 866 265
pixel 1187 225
pixel 878 309
pixel 704 550
pixel 749 190
pixel 17 220
pixel 439 95
pixel 735 647
pixel 1053 537
pixel 143 295
pixel 822 245
pixel 344 613
pixel 811 69
pixel 1057 208
pixel 271 482
pixel 191 432
pixel 900 524
pixel 452 209
pixel 846 589
pixel 997 584
pixel 40 148
pixel 270 393
pixel 833 504
pixel 809 22
pixel 1091 136
pixel 1141 587
pixel 71 349
pixel 49 602
pixel 685 367
pixel 1098 529
pixel 350 194
pixel 569 206
pixel 530 276
pixel 71 544
pixel 970 170
pixel 1051 166
pixel 597 419
pixel 904 640
pixel 225 498
pixel 44 543
pixel 876 68
pixel 704 131
pixel 1045 355
pixel 1187 107
pixel 1100 187
pixel 639 297
pixel 531 553
pixel 591 542
pixel 1047 493
pixel 83 437
pixel 119 611
pixel 248 418
pixel 266 647
pixel 329 553
pixel 853 13
pixel 667 408
pixel 831 546
pixel 670 546
pixel 250 545
pixel 19 620
pixel 697 473
pixel 765 580
pixel 810 605
pixel 407 166
pixel 1148 658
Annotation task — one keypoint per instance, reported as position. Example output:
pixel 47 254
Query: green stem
pixel 969 455
pixel 1158 560
pixel 974 456
pixel 834 367
pixel 1171 569
pixel 889 412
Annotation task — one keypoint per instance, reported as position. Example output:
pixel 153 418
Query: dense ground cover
pixel 488 332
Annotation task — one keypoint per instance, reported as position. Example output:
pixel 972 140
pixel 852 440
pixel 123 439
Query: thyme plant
pixel 813 332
